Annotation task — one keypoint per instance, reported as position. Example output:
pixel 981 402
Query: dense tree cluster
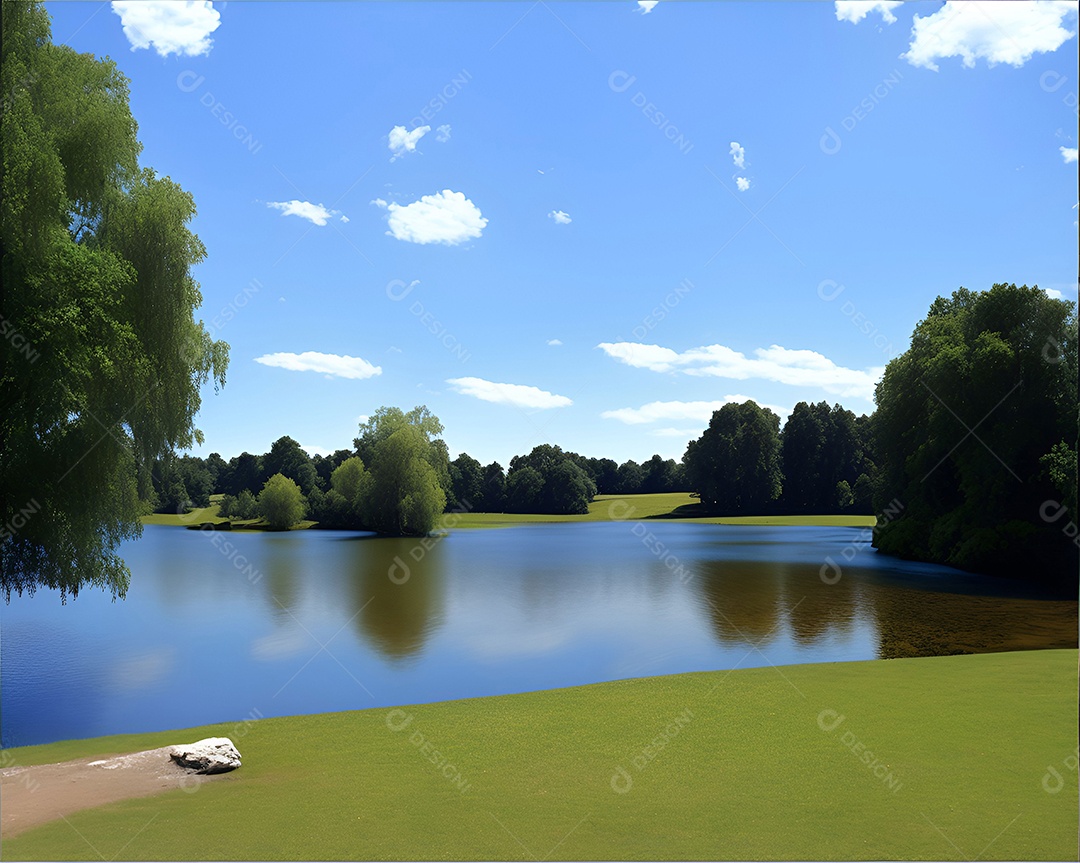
pixel 821 462
pixel 976 431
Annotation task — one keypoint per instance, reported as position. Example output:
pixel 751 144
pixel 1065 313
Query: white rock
pixel 212 755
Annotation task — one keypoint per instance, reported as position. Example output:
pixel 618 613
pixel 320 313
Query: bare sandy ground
pixel 30 796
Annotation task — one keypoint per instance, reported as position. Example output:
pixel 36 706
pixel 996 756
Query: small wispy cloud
pixel 700 411
pixel 400 141
pixel 317 214
pixel 738 154
pixel 646 6
pixel 742 183
pixel 517 395
pixel 782 365
pixel 1068 154
pixel 442 134
pixel 554 342
pixel 560 217
pixel 855 10
pixel 335 365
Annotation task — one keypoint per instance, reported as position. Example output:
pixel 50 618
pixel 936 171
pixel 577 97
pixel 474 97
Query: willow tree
pixel 404 490
pixel 103 361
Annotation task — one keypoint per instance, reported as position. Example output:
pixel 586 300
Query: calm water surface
pixel 314 621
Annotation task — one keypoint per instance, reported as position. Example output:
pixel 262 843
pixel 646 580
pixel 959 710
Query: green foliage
pixel 1001 363
pixel 845 497
pixel 348 478
pixel 467 483
pixel 605 473
pixel 821 447
pixel 244 471
pixel 281 502
pixel 550 481
pixel 1059 466
pixel 246 506
pixel 494 488
pixel 628 478
pixel 660 476
pixel 404 490
pixel 288 458
pixel 96 269
pixel 735 465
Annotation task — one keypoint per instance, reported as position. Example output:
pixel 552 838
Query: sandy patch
pixel 36 795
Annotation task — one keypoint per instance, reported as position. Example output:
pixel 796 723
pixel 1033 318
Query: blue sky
pixel 619 216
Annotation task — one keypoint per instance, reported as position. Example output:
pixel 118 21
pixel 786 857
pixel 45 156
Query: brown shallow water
pixel 911 623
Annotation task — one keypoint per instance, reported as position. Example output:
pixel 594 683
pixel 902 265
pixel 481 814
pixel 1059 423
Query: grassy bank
pixel 671 506
pixel 753 764
pixel 674 506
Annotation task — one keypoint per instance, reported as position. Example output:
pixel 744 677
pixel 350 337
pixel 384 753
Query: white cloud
pixel 654 411
pixel 855 10
pixel 314 449
pixel 442 134
pixel 674 432
pixel 742 183
pixel 1003 31
pixel 560 217
pixel 445 217
pixel 340 366
pixel 792 367
pixel 738 154
pixel 344 219
pixel 554 342
pixel 646 6
pixel 1068 154
pixel 401 142
pixel 1054 293
pixel 508 394
pixel 317 214
pixel 170 26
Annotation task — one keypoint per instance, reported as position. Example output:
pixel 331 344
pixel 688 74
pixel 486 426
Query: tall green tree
pixel 735 465
pixel 96 269
pixel 968 420
pixel 281 502
pixel 288 458
pixel 409 470
pixel 467 483
pixel 564 485
pixel 494 488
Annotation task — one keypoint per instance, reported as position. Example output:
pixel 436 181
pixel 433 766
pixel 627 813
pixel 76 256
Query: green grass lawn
pixel 635 507
pixel 199 515
pixel 747 768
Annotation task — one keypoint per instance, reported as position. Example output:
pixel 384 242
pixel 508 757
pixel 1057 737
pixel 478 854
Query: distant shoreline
pixel 629 508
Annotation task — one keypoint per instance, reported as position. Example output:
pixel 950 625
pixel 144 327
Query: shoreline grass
pixel 747 764
pixel 666 506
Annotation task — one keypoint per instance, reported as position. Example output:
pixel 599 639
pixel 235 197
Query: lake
pixel 221 627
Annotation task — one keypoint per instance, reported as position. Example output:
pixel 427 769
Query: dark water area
pixel 228 626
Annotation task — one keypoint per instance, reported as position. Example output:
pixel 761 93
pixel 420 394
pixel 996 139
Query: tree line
pixel 743 463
